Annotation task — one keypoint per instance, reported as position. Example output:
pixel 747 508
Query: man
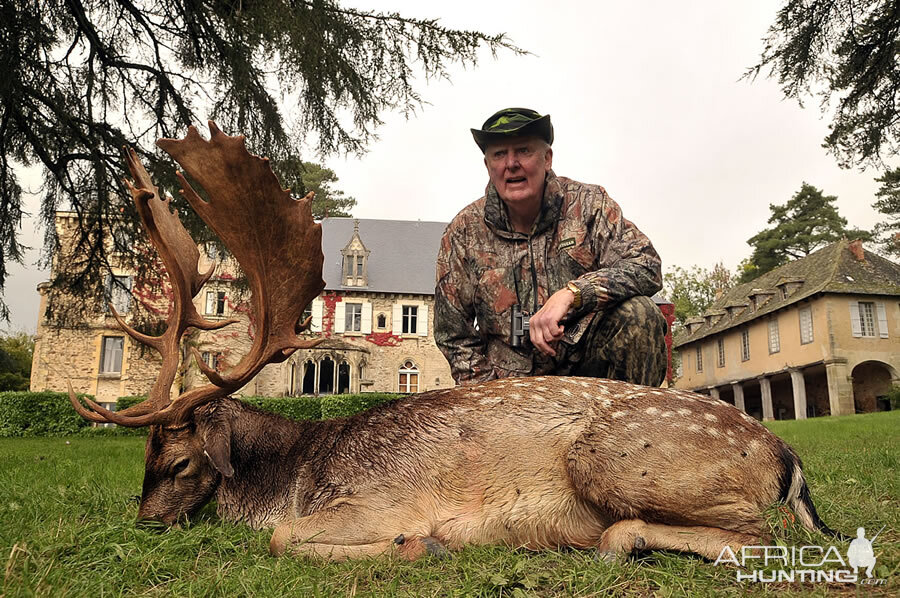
pixel 560 251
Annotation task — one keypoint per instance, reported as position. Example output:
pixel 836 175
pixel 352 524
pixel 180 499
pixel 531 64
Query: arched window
pixel 409 377
pixel 343 378
pixel 326 376
pixel 309 378
pixel 382 321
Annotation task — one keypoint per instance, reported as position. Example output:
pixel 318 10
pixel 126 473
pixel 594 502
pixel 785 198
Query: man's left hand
pixel 545 329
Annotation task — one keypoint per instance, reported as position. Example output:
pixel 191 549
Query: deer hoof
pixel 434 548
pixel 399 540
pixel 640 543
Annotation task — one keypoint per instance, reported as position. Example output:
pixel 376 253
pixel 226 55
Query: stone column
pixel 840 388
pixel 799 385
pixel 714 393
pixel 765 388
pixel 738 389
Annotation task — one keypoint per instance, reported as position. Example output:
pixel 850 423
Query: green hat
pixel 513 122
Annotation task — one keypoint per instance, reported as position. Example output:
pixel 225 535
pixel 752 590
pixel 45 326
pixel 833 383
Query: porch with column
pixel 765 388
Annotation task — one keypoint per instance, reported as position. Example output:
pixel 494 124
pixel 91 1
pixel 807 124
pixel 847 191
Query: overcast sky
pixel 646 100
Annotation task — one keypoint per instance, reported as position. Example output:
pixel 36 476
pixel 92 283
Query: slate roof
pixel 402 259
pixel 832 269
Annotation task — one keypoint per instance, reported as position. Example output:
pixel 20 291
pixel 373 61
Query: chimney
pixel 856 249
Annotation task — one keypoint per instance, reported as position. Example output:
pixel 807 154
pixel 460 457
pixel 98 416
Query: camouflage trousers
pixel 625 343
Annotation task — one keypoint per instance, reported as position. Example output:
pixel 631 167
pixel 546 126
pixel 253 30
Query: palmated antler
pixel 270 234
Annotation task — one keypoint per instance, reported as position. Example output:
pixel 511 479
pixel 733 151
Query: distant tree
pixel 309 176
pixel 16 351
pixel 85 77
pixel 693 290
pixel 807 222
pixel 888 231
pixel 845 52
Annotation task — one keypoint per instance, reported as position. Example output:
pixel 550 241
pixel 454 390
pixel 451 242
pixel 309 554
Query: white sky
pixel 645 100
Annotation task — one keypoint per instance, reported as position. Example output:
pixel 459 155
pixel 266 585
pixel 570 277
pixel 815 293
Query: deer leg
pixel 343 532
pixel 624 537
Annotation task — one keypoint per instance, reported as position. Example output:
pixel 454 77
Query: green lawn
pixel 68 505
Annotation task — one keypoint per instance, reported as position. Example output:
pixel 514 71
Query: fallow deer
pixel 534 462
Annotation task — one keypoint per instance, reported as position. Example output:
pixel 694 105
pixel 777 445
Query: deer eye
pixel 180 466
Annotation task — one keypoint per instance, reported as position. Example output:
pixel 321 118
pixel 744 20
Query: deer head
pixel 279 248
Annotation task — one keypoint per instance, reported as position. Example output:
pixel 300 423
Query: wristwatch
pixel 576 303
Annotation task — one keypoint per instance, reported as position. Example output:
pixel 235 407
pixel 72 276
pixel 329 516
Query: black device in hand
pixel 518 325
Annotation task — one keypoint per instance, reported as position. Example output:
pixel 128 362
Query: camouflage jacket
pixel 484 268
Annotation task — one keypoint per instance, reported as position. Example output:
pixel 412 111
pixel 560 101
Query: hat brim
pixel 540 128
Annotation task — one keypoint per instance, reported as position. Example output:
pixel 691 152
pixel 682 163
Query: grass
pixel 68 505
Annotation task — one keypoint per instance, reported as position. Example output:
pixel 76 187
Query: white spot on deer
pixel 587 395
pixel 731 441
pixel 632 426
pixel 541 388
pixel 515 395
pixel 651 410
pixel 582 383
pixel 748 417
pixel 712 432
pixel 619 414
pixel 729 432
pixel 694 428
pixel 668 414
pixel 710 417
pixel 566 392
pixel 683 411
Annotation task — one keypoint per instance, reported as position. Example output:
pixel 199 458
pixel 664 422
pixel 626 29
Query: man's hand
pixel 544 327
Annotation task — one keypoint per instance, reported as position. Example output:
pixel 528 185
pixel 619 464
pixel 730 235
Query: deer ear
pixel 218 448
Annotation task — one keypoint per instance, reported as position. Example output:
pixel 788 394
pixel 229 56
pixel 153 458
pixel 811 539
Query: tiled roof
pixel 832 269
pixel 402 259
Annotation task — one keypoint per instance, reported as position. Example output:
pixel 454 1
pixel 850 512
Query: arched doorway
pixel 309 378
pixel 326 376
pixel 872 380
pixel 343 378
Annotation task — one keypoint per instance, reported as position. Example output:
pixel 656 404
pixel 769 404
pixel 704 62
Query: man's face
pixel 517 168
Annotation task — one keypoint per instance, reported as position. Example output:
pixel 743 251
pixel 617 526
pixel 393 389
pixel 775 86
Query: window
pixel 806 326
pixel 348 265
pixel 867 318
pixel 382 321
pixel 410 315
pixel 774 340
pixel 210 359
pixel 745 345
pixel 111 354
pixel 359 266
pixel 353 317
pixel 215 303
pixel 863 318
pixel 118 293
pixel 212 251
pixel 409 378
pixel 699 359
pixel 721 347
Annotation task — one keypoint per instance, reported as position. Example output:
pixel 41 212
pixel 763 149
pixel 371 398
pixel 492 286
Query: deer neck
pixel 267 456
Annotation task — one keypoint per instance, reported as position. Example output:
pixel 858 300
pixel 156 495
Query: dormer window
pixel 758 298
pixel 356 258
pixel 788 286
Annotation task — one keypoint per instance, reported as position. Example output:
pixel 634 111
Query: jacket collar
pixel 496 215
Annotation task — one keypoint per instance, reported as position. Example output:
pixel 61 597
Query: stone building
pixel 375 314
pixel 817 336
